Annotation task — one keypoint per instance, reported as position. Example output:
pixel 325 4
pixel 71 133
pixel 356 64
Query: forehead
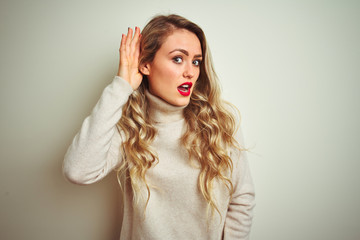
pixel 184 39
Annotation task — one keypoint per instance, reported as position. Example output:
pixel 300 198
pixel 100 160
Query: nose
pixel 189 71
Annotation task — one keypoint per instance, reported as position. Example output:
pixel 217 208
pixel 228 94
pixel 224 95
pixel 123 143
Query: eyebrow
pixel 184 52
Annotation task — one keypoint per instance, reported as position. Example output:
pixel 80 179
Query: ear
pixel 145 69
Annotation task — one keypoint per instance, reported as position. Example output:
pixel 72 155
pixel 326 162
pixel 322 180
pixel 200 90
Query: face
pixel 175 68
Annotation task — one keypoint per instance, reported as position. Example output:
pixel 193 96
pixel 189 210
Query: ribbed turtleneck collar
pixel 161 111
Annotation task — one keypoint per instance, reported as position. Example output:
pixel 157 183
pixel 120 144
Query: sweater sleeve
pixel 240 211
pixel 95 150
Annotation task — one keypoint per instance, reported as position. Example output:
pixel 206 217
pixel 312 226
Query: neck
pixel 161 111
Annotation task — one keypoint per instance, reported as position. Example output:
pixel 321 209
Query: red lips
pixel 184 89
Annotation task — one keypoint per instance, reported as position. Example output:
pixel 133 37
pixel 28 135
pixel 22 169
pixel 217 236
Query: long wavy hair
pixel 210 124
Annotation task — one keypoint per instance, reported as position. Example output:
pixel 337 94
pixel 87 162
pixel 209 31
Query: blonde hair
pixel 210 125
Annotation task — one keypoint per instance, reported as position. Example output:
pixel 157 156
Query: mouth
pixel 184 89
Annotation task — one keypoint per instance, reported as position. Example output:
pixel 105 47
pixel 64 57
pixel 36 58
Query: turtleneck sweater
pixel 176 208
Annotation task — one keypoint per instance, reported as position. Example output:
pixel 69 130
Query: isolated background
pixel 291 67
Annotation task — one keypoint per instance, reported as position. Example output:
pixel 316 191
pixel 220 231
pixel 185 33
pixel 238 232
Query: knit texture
pixel 176 209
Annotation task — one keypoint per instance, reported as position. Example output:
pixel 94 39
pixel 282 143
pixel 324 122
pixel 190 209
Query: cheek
pixel 198 73
pixel 161 79
pixel 166 74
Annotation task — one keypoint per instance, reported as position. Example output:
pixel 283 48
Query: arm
pixel 240 211
pixel 95 150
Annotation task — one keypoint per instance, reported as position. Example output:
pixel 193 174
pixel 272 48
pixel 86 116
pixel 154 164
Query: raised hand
pixel 129 58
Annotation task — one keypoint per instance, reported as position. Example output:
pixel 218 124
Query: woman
pixel 162 124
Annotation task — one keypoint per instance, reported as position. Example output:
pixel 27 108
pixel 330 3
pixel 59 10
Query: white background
pixel 291 67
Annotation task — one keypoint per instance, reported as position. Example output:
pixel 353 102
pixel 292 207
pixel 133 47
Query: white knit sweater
pixel 176 209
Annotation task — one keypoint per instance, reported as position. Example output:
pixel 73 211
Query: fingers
pixel 131 41
pixel 123 40
pixel 129 57
pixel 137 48
pixel 123 48
pixel 136 44
pixel 128 41
pixel 130 45
pixel 135 40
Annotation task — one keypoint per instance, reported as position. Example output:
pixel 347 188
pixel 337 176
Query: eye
pixel 177 59
pixel 197 62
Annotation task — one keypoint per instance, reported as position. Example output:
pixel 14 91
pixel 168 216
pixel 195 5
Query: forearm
pixel 95 149
pixel 240 211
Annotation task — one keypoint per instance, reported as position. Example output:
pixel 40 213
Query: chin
pixel 181 102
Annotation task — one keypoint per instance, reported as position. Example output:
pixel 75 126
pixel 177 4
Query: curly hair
pixel 210 124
